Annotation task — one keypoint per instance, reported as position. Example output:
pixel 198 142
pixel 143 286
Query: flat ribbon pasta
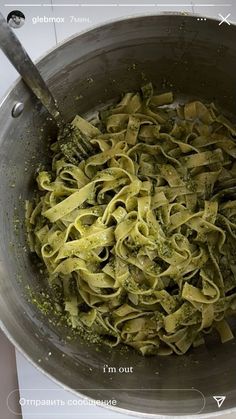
pixel 141 247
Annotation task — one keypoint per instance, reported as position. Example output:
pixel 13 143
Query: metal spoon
pixel 74 145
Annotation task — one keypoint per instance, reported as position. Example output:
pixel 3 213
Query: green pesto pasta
pixel 136 237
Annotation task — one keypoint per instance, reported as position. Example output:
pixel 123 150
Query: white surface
pixel 35 39
pixel 35 386
pixel 38 38
pixel 8 371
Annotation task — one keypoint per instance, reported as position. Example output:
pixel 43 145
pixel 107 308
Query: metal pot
pixel 84 73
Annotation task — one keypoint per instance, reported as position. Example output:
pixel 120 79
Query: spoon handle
pixel 19 58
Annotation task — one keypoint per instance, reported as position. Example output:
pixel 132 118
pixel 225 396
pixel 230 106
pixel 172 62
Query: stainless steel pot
pixel 84 73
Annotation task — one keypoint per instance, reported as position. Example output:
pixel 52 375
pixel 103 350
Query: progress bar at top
pixel 114 5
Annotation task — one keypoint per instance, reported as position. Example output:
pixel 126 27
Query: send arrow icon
pixel 219 400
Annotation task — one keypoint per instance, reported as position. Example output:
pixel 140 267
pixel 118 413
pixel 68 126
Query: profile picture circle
pixel 16 19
